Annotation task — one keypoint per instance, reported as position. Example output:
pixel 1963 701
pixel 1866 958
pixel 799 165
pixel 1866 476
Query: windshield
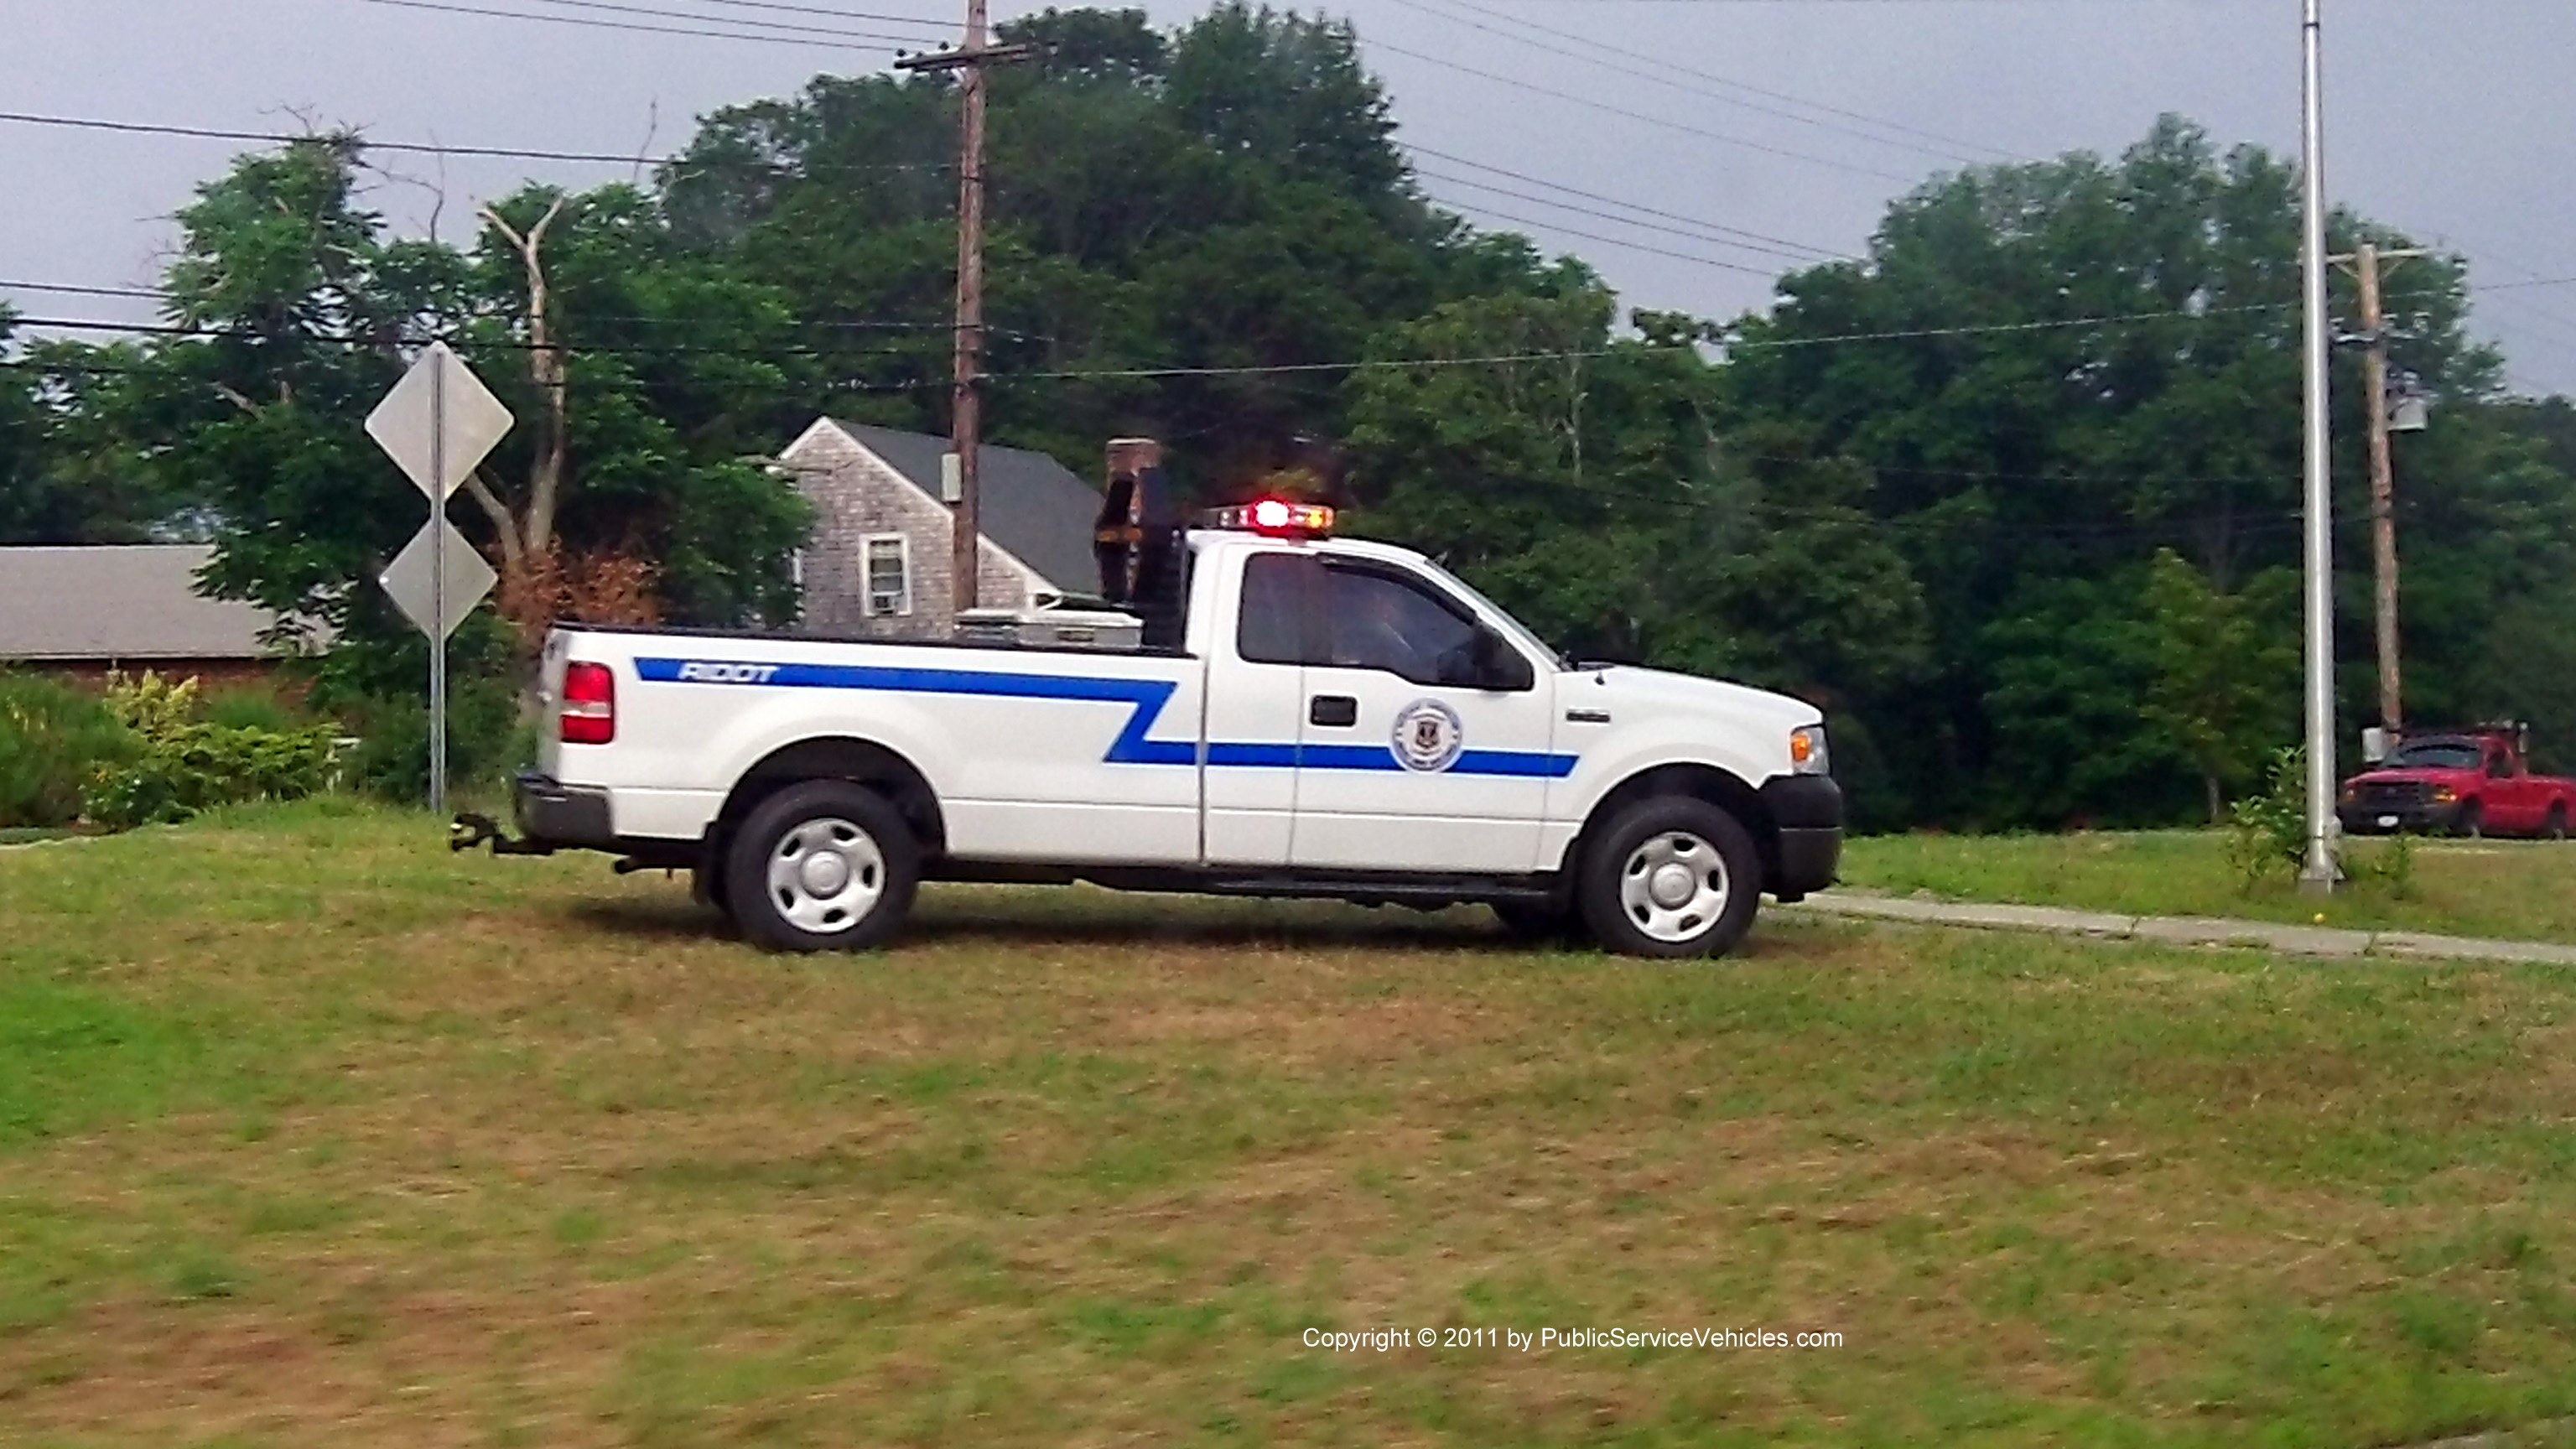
pixel 2435 755
pixel 1497 613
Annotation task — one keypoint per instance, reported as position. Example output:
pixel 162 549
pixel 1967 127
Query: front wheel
pixel 2556 828
pixel 2473 821
pixel 1672 877
pixel 827 865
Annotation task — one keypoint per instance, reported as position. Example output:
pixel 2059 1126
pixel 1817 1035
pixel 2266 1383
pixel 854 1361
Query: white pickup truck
pixel 1325 717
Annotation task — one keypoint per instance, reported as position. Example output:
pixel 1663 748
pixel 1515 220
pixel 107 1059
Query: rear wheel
pixel 1672 877
pixel 827 865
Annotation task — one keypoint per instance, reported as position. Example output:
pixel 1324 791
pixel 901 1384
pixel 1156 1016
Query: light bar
pixel 1272 515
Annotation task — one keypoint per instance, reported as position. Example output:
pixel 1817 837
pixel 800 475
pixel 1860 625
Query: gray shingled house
pixel 83 611
pixel 879 562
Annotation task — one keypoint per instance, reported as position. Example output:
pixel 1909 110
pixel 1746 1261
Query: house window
pixel 889 565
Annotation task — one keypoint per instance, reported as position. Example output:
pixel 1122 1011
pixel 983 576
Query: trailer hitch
pixel 469 830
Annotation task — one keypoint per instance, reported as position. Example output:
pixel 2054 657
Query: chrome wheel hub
pixel 1674 886
pixel 826 875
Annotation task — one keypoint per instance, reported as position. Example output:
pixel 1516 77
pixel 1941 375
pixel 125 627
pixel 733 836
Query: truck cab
pixel 1313 715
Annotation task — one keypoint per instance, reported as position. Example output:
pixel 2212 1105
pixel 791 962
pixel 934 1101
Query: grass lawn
pixel 2513 889
pixel 311 1134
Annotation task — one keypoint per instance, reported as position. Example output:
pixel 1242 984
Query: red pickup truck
pixel 2466 782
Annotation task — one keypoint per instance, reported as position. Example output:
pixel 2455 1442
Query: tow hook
pixel 469 830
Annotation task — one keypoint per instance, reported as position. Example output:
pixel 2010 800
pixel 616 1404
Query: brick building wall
pixel 856 496
pixel 213 676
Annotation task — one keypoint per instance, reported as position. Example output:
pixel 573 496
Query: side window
pixel 887 558
pixel 2499 766
pixel 1270 626
pixel 1380 621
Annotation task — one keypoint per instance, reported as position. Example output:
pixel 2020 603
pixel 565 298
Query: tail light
pixel 589 704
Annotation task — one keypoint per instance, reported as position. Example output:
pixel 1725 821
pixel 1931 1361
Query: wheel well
pixel 1703 782
pixel 870 764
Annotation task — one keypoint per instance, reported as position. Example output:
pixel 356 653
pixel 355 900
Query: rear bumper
pixel 553 813
pixel 1807 814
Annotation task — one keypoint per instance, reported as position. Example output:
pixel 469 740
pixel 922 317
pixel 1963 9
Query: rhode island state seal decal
pixel 1428 736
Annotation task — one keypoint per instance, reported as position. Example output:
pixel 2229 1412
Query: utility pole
pixel 965 418
pixel 2365 264
pixel 2319 873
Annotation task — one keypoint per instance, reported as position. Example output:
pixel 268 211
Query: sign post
pixel 438 424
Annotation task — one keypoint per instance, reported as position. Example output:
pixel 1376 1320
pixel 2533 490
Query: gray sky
pixel 2450 118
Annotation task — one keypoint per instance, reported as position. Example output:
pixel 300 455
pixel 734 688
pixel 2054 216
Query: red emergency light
pixel 1275 516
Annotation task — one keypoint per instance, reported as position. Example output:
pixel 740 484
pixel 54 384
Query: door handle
pixel 1337 711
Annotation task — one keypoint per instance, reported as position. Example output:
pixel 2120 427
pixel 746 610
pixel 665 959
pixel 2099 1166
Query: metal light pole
pixel 2317 876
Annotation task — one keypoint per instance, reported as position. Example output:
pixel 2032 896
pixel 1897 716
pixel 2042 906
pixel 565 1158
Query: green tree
pixel 645 385
pixel 1221 197
pixel 1589 488
pixel 2054 370
pixel 2226 668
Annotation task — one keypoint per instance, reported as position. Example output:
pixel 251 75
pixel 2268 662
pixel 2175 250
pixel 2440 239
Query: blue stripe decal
pixel 1145 697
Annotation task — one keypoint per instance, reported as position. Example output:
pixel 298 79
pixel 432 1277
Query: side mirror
pixel 1499 666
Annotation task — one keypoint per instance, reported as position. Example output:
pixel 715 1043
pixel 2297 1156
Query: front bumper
pixel 1807 816
pixel 2390 819
pixel 553 813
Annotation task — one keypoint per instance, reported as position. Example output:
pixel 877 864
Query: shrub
pixel 185 764
pixel 252 708
pixel 2268 832
pixel 55 739
pixel 483 735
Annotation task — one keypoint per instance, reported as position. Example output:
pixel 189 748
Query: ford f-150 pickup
pixel 1314 716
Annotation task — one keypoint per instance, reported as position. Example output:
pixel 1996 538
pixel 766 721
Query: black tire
pixel 1540 923
pixel 818 818
pixel 1715 858
pixel 2556 829
pixel 2472 823
pixel 707 887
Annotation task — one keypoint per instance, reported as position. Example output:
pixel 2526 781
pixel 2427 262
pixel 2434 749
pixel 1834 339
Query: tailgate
pixel 550 677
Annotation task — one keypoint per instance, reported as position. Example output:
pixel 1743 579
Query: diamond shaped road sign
pixel 409 579
pixel 408 422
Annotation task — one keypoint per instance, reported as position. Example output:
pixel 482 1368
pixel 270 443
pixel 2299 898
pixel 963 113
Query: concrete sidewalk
pixel 2180 930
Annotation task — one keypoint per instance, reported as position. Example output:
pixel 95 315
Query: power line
pixel 1999 328
pixel 184 330
pixel 422 148
pixel 1569 354
pixel 1649 118
pixel 75 290
pixel 800 324
pixel 1628 60
pixel 633 25
pixel 1754 240
pixel 1245 370
pixel 1594 236
pixel 789 26
pixel 829 12
pixel 1669 67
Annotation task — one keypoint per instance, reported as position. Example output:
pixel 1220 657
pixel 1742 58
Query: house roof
pixel 1026 502
pixel 119 601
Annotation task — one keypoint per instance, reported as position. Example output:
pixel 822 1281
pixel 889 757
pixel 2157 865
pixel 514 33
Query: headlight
pixel 2444 795
pixel 2350 794
pixel 1807 754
